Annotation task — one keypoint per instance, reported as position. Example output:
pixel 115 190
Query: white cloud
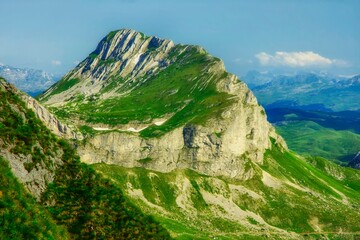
pixel 76 62
pixel 241 61
pixel 297 59
pixel 56 62
pixel 237 60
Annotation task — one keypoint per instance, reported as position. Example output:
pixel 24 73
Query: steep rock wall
pixel 50 121
pixel 35 180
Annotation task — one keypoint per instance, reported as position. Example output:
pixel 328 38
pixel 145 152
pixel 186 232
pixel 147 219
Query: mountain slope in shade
pixel 355 162
pixel 21 216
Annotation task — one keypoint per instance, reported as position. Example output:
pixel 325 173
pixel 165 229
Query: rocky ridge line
pixel 126 54
pixel 36 178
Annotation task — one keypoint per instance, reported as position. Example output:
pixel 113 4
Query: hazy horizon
pixel 247 35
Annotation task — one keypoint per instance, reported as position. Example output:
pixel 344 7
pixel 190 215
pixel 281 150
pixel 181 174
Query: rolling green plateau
pixel 332 135
pixel 78 203
pixel 156 140
pixel 310 138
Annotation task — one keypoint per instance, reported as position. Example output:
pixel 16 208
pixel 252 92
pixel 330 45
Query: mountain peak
pixel 123 32
pixel 125 43
pixel 152 90
pixel 125 53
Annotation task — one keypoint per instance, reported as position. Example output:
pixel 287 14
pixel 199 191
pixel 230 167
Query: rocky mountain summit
pixel 175 106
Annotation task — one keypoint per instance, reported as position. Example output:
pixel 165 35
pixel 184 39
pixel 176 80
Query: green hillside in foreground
pixel 311 197
pixel 79 204
pixel 310 138
pixel 93 208
pixel 21 217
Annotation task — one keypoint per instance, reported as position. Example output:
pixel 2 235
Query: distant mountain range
pixel 321 90
pixel 317 114
pixel 31 81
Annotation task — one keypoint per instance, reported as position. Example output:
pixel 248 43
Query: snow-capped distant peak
pixel 348 76
pixel 28 80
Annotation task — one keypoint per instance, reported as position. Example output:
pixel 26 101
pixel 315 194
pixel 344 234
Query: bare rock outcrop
pixel 224 147
pixel 355 162
pixel 37 179
pixel 50 121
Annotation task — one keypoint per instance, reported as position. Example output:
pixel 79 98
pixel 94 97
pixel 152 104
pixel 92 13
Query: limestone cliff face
pixel 222 147
pixel 35 180
pixel 225 147
pixel 128 65
pixel 50 121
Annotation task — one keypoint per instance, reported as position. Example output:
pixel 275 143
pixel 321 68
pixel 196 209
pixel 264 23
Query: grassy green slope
pixel 157 193
pixel 184 88
pixel 21 217
pixel 330 192
pixel 22 133
pixel 64 85
pixel 94 208
pixel 307 196
pixel 309 138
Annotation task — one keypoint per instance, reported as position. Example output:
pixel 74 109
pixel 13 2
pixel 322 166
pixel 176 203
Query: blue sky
pixel 254 34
